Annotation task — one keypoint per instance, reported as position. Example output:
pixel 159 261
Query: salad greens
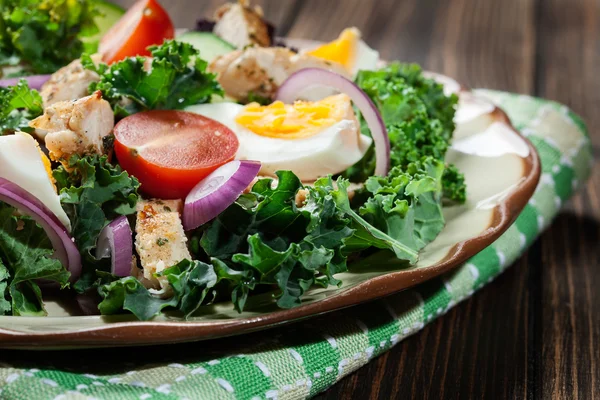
pixel 25 257
pixel 175 78
pixel 18 105
pixel 40 36
pixel 419 119
pixel 281 235
pixel 93 192
pixel 265 238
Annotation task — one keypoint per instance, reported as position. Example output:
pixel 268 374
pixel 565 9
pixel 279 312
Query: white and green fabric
pixel 305 358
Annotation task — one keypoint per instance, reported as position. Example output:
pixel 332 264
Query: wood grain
pixel 534 332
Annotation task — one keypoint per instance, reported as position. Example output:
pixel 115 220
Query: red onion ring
pixel 34 81
pixel 116 240
pixel 300 80
pixel 63 245
pixel 217 191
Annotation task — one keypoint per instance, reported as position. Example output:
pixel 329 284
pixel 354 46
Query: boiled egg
pixel 349 51
pixel 311 139
pixel 23 163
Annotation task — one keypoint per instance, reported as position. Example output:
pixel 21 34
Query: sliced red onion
pixel 116 241
pixel 63 245
pixel 34 81
pixel 217 191
pixel 300 80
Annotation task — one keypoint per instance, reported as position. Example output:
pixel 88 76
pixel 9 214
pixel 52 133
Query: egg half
pixel 349 51
pixel 311 139
pixel 23 163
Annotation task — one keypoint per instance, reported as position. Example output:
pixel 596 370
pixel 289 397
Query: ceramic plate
pixel 501 169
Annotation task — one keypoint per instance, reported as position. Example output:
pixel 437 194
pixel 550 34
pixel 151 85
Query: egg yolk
pixel 342 50
pixel 294 121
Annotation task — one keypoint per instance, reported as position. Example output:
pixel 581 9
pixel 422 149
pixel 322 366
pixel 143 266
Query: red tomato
pixel 171 151
pixel 146 23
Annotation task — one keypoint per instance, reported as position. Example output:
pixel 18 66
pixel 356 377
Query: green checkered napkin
pixel 302 359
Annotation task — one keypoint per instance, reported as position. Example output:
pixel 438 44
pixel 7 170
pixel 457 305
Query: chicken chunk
pixel 160 240
pixel 75 127
pixel 261 70
pixel 69 83
pixel 242 25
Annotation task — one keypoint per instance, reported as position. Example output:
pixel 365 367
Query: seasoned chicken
pixel 71 82
pixel 160 241
pixel 75 127
pixel 261 70
pixel 241 25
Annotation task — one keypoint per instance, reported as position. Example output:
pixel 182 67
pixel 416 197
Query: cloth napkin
pixel 303 359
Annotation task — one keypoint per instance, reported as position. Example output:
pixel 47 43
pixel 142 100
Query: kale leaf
pixel 18 105
pixel 25 257
pixel 174 78
pixel 191 282
pixel 419 119
pixel 42 36
pixel 93 192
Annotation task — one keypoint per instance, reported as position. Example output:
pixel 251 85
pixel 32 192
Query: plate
pixel 501 170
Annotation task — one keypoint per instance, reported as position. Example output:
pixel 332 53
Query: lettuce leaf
pixel 18 105
pixel 177 78
pixel 25 257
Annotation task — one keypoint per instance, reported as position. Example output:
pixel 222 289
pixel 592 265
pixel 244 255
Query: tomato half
pixel 171 151
pixel 146 23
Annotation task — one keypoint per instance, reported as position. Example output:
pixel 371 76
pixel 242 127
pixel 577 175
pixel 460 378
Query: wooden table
pixel 535 331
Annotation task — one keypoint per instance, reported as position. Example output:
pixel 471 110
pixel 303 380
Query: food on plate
pixel 23 161
pixel 71 82
pixel 259 71
pixel 177 147
pixel 310 138
pixel 349 51
pixel 145 24
pixel 160 240
pixel 242 25
pixel 169 173
pixel 39 37
pixel 75 127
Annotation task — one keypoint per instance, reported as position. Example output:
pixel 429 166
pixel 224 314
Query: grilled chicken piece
pixel 261 70
pixel 75 127
pixel 71 82
pixel 241 25
pixel 160 241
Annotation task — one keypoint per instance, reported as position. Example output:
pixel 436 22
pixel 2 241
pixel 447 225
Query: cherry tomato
pixel 146 23
pixel 171 151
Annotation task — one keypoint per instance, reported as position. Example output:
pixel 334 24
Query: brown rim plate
pixel 502 170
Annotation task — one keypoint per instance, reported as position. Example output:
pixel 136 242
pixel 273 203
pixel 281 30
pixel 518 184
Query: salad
pixel 142 170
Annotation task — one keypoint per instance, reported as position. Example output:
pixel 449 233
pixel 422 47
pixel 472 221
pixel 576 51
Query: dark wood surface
pixel 535 331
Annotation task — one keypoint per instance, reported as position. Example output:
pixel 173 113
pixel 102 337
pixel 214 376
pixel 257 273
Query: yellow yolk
pixel 342 50
pixel 46 162
pixel 293 121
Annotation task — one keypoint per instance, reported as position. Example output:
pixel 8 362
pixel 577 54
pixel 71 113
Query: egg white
pixel 21 163
pixel 365 58
pixel 330 151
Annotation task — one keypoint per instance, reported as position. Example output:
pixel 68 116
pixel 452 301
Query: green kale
pixel 406 204
pixel 176 78
pixel 18 105
pixel 419 119
pixel 265 239
pixel 25 258
pixel 93 192
pixel 191 282
pixel 42 36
